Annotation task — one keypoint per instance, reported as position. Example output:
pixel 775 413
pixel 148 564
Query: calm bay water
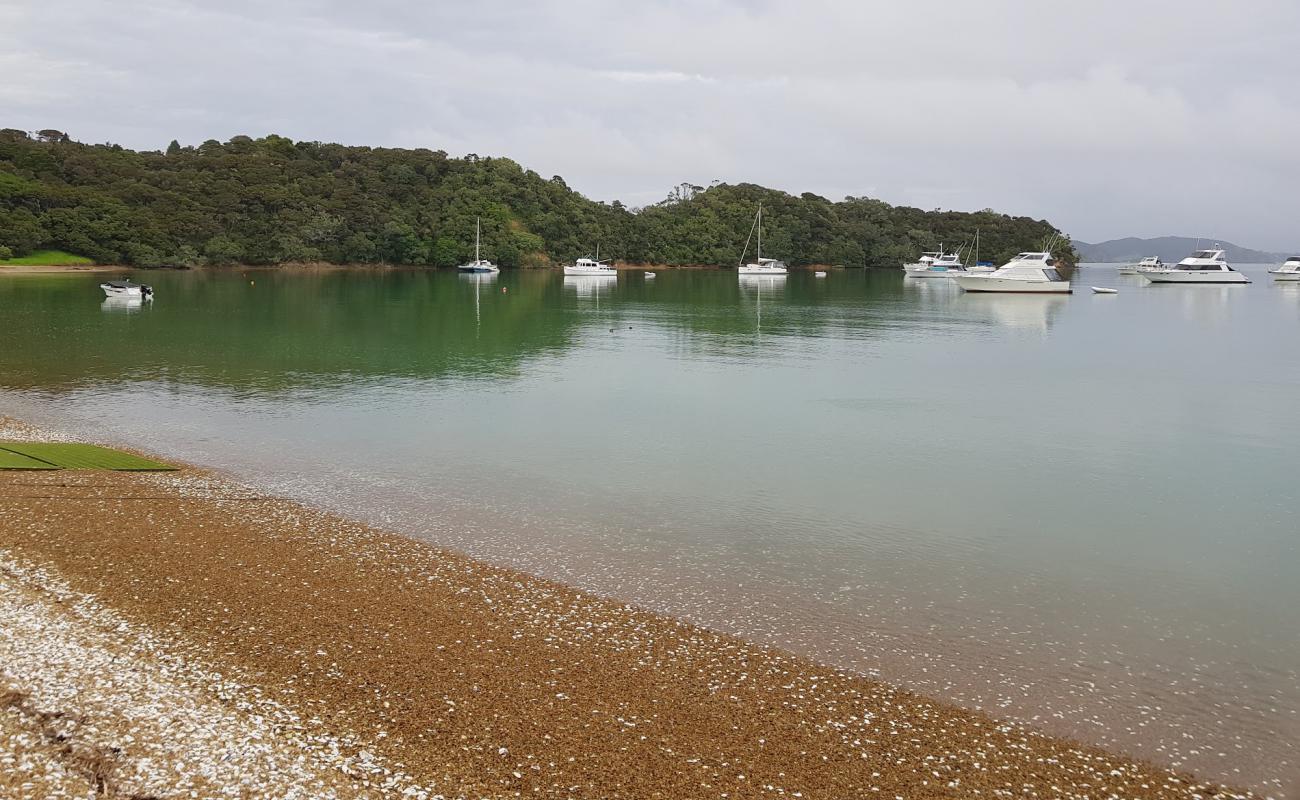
pixel 1079 511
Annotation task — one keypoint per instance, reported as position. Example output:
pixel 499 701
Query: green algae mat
pixel 64 455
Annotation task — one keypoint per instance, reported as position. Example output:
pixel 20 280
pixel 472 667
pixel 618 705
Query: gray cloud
pixel 1109 118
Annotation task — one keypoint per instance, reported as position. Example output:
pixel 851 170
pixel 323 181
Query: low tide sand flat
pixel 71 455
pixel 447 676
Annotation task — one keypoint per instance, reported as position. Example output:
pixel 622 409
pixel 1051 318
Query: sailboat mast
pixel 476 238
pixel 760 233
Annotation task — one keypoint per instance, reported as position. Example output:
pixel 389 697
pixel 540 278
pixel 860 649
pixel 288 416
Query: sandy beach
pixel 175 634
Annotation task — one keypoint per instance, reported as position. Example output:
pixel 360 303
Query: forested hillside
pixel 273 200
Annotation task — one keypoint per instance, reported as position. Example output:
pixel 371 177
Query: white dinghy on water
pixel 1027 273
pixel 760 265
pixel 478 264
pixel 126 288
pixel 1203 266
pixel 1289 271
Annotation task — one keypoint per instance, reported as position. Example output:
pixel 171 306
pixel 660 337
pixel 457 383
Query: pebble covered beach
pixel 178 635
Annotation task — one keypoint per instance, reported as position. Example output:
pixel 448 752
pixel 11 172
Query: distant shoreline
pixel 320 266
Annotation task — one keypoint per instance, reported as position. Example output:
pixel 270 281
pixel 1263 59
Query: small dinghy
pixel 649 274
pixel 819 274
pixel 1104 290
pixel 126 289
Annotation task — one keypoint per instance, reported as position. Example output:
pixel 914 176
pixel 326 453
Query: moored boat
pixel 478 264
pixel 1148 263
pixel 127 288
pixel 1289 271
pixel 1203 266
pixel 937 264
pixel 1030 273
pixel 760 265
pixel 590 267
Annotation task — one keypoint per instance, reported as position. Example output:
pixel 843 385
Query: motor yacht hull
pixel 591 273
pixel 480 270
pixel 987 283
pixel 1194 276
pixel 1285 275
pixel 922 271
pixel 764 271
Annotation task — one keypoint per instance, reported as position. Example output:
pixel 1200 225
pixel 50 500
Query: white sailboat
pixel 760 265
pixel 478 264
pixel 1026 273
pixel 1289 271
pixel 592 267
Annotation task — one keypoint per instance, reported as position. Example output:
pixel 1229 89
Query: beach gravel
pixel 177 635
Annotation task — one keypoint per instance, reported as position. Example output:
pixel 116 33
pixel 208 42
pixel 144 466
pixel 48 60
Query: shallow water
pixel 1079 511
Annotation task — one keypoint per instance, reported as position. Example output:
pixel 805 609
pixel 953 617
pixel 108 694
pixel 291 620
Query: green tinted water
pixel 1075 510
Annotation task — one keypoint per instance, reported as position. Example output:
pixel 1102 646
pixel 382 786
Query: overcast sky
pixel 1108 118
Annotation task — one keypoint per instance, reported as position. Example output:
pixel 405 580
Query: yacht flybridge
pixel 760 265
pixel 1289 271
pixel 1203 266
pixel 478 264
pixel 935 265
pixel 591 266
pixel 1030 273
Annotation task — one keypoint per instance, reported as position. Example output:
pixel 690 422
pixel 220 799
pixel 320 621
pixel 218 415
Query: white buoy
pixel 1104 290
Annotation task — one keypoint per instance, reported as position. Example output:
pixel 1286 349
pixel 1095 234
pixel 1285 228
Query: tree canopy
pixel 272 200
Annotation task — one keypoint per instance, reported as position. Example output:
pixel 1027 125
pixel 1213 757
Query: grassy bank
pixel 47 258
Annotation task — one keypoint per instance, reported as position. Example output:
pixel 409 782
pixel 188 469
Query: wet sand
pixel 346 661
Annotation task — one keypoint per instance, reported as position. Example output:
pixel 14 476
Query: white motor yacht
pixel 126 288
pixel 1148 263
pixel 760 265
pixel 1203 266
pixel 590 267
pixel 478 264
pixel 1289 271
pixel 1026 273
pixel 935 265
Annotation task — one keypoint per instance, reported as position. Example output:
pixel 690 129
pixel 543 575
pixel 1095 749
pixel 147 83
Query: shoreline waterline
pixel 492 681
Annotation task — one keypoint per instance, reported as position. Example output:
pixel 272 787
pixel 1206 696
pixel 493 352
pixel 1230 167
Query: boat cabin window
pixel 1205 254
pixel 1053 275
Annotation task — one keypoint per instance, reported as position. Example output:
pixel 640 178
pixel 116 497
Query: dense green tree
pixel 273 200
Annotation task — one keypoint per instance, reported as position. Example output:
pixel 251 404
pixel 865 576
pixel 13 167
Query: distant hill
pixel 1169 248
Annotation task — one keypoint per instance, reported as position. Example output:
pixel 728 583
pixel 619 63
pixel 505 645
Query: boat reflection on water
pixel 590 286
pixel 759 285
pixel 122 304
pixel 1207 303
pixel 1028 312
pixel 478 279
